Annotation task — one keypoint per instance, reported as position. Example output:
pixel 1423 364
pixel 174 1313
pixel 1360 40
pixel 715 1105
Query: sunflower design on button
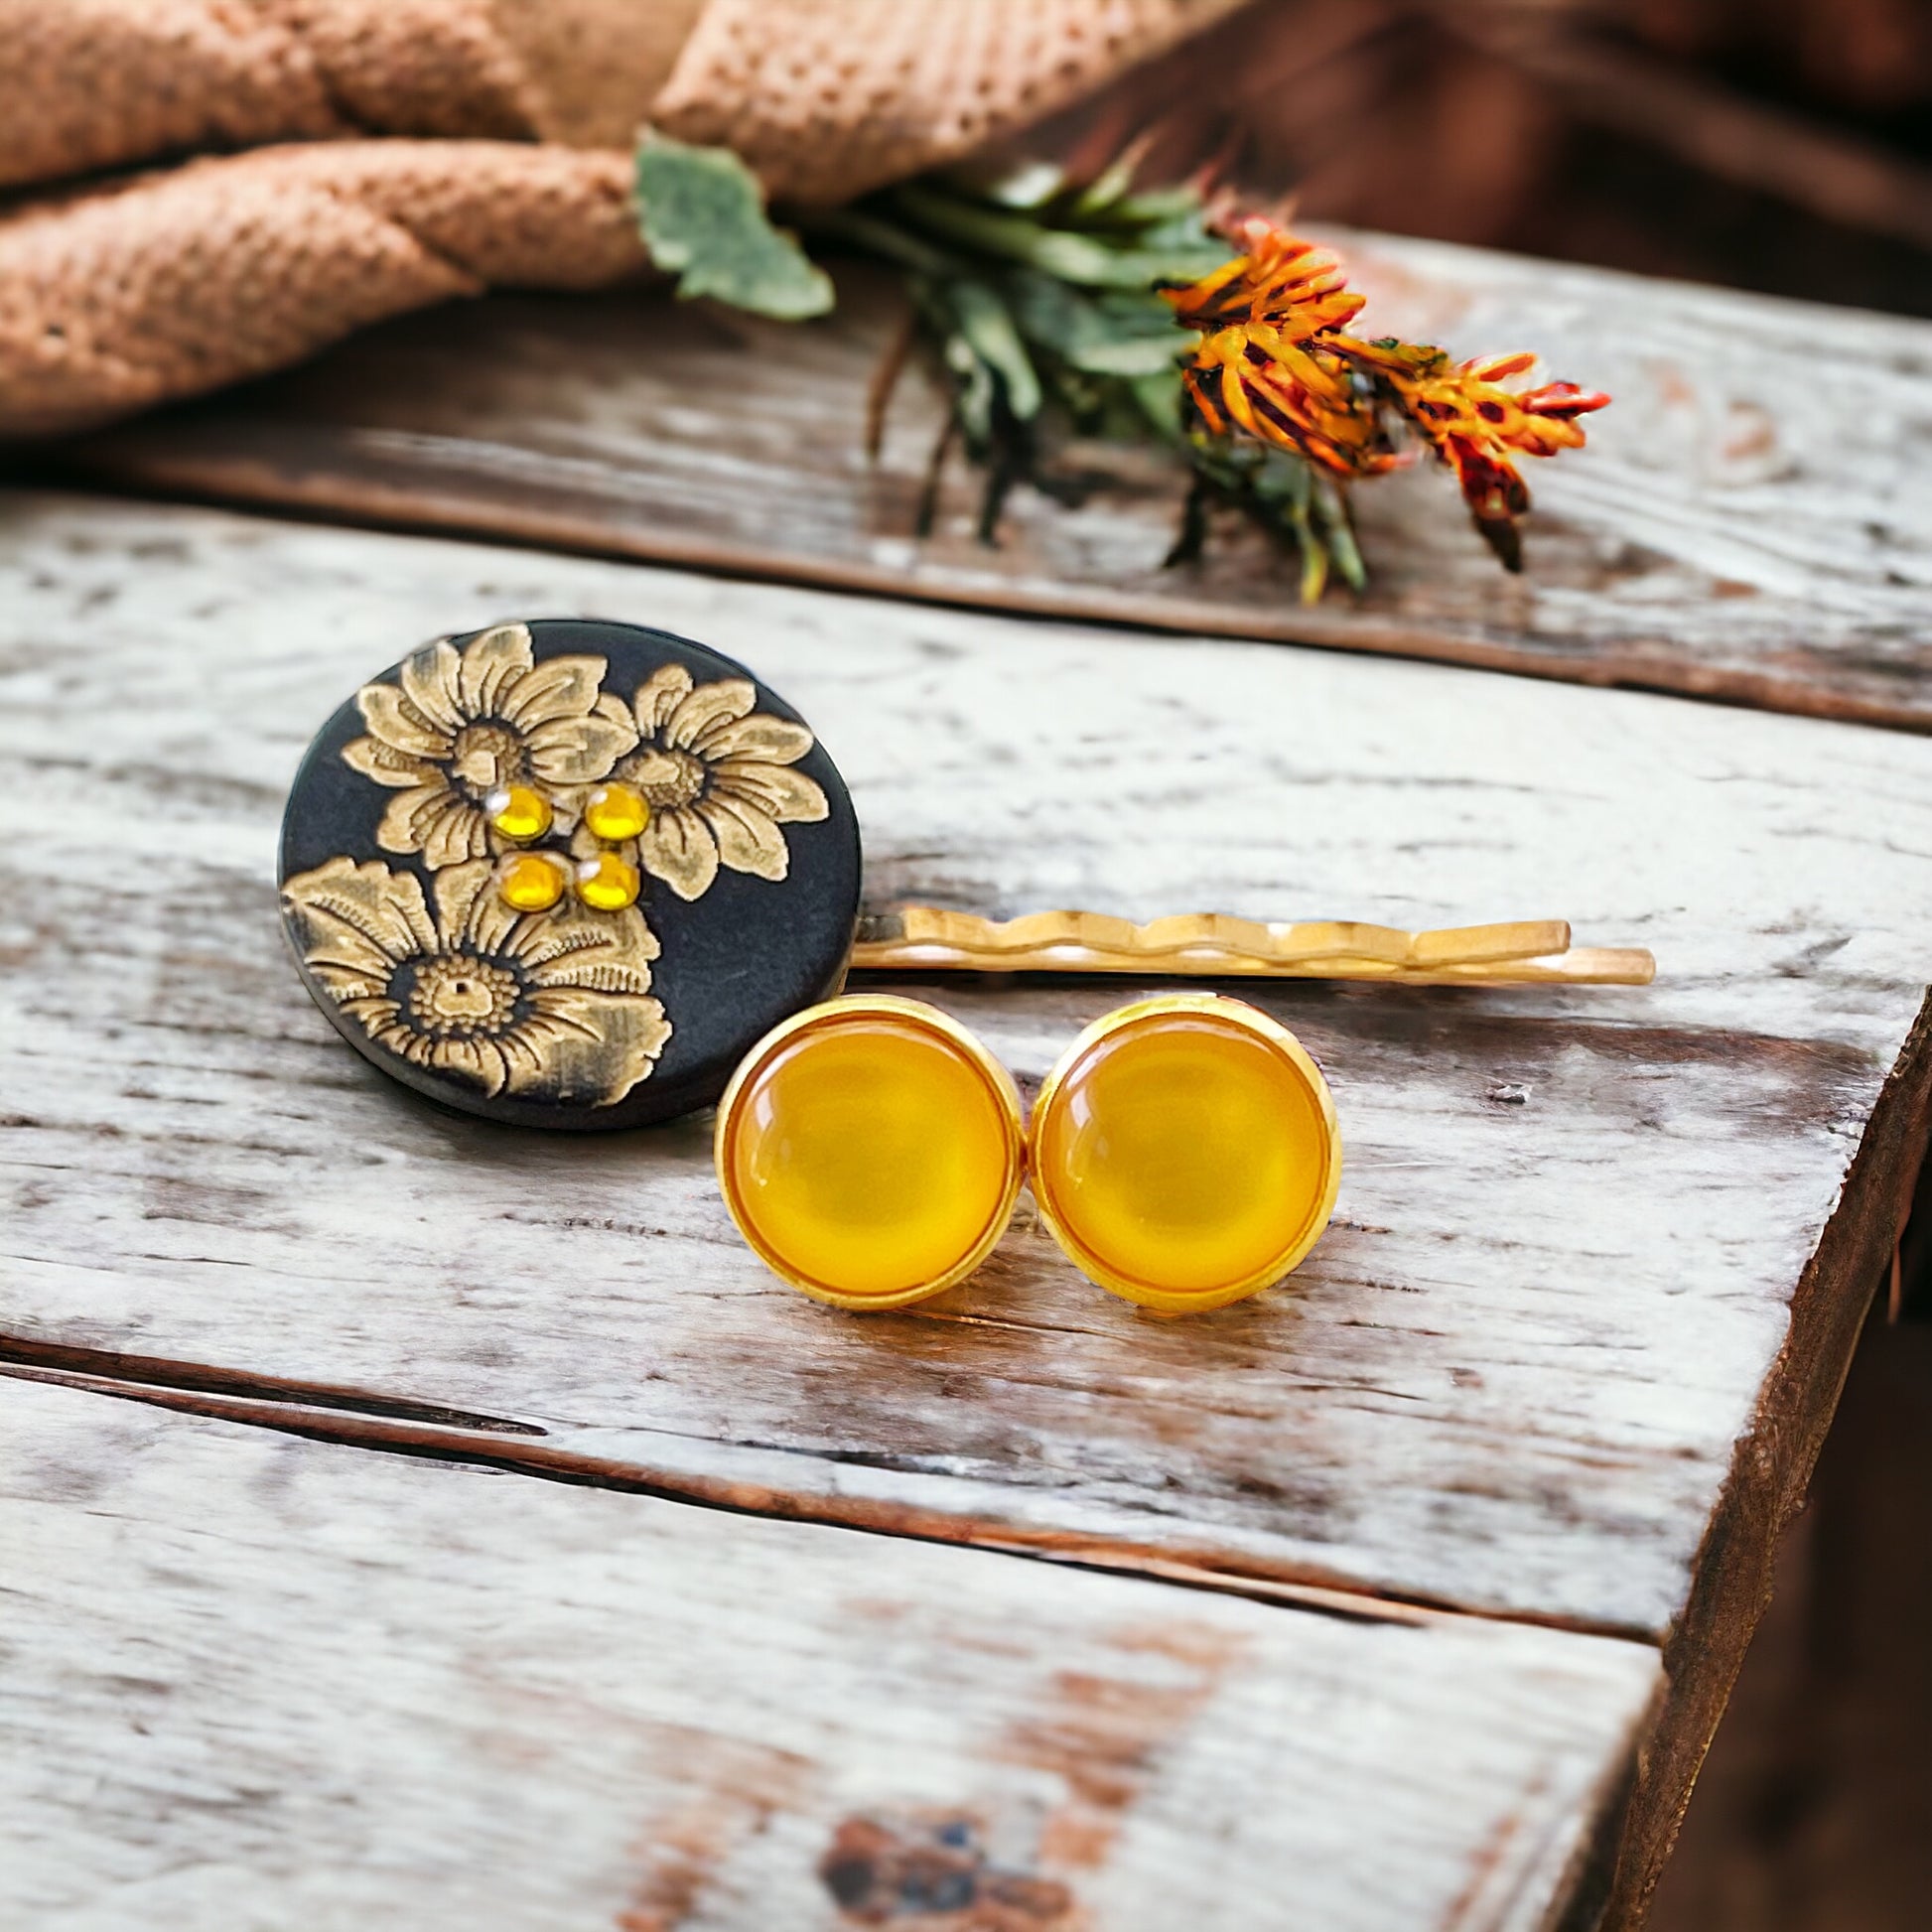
pixel 504 865
pixel 553 1006
pixel 484 746
pixel 707 783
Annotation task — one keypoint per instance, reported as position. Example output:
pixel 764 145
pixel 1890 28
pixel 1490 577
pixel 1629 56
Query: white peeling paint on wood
pixel 1511 1377
pixel 251 1682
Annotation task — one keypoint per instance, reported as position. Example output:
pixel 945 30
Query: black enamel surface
pixel 733 963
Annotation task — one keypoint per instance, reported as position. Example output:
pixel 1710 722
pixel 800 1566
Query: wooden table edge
pixel 1769 1473
pixel 253 487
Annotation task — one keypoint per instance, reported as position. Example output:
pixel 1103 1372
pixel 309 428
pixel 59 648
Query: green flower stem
pixel 1085 260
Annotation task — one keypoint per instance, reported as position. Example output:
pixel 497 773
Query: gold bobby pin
pixel 1211 945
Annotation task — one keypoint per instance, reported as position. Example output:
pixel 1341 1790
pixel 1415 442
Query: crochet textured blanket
pixel 313 165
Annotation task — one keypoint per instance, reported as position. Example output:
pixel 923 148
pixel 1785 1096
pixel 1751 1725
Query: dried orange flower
pixel 1461 411
pixel 1261 363
pixel 1279 286
pixel 1273 361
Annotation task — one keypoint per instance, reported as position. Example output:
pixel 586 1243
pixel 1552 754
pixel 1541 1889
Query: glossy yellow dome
pixel 1185 1152
pixel 869 1150
pixel 519 812
pixel 531 882
pixel 608 882
pixel 616 813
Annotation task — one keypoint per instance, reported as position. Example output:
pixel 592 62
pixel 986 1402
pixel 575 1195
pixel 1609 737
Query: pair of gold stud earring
pixel 1183 1151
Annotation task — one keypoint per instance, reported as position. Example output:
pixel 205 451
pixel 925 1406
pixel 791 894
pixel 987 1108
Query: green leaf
pixel 1158 398
pixel 1117 334
pixel 986 326
pixel 1175 208
pixel 875 236
pixel 702 218
pixel 1110 186
pixel 1079 259
pixel 1286 480
pixel 1333 509
pixel 973 399
pixel 1028 183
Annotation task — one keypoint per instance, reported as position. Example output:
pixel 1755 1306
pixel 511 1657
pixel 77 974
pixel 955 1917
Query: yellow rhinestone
pixel 518 812
pixel 617 813
pixel 607 883
pixel 531 882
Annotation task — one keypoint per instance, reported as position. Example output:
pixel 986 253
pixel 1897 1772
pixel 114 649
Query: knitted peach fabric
pixel 827 99
pixel 104 83
pixel 185 280
pixel 115 296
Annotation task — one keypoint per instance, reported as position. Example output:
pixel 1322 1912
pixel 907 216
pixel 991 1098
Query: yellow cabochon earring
pixel 1183 1151
pixel 870 1151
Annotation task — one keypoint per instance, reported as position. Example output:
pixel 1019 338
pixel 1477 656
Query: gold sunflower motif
pixel 552 1004
pixel 717 776
pixel 459 726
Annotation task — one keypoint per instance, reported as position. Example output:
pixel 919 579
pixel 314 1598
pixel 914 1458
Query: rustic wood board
pixel 255 1682
pixel 1748 523
pixel 1601 1255
pixel 1573 1226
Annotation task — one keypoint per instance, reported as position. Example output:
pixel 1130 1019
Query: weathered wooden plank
pixel 250 1681
pixel 1747 523
pixel 1581 1248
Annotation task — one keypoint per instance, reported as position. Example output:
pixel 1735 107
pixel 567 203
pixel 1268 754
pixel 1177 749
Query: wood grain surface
pixel 250 1682
pixel 1563 1357
pixel 1748 523
pixel 1493 1385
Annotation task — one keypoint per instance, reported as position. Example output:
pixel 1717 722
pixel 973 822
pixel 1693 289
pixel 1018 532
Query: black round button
pixel 566 874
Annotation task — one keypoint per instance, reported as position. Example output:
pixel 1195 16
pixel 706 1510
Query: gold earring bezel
pixel 1290 1255
pixel 831 1014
